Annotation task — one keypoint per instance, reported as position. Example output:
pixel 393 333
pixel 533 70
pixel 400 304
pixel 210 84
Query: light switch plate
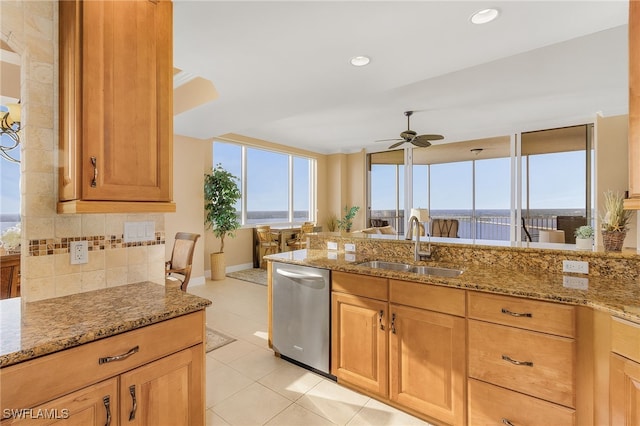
pixel 139 231
pixel 577 283
pixel 575 266
pixel 332 245
pixel 350 247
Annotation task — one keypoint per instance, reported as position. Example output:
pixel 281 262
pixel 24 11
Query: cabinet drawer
pixel 547 317
pixel 492 405
pixel 39 380
pixel 625 338
pixel 425 296
pixel 360 285
pixel 495 350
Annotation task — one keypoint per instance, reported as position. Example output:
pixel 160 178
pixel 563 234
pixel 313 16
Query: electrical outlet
pixel 79 252
pixel 332 245
pixel 350 247
pixel 575 266
pixel 577 283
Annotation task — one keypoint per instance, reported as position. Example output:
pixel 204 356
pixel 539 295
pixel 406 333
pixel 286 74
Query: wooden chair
pixel 181 260
pixel 9 276
pixel 300 240
pixel 444 228
pixel 267 241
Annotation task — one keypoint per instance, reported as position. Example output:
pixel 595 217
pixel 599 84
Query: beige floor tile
pixel 212 419
pixel 257 364
pixel 375 413
pixel 233 351
pixel 291 381
pixel 254 405
pixel 333 402
pixel 295 415
pixel 223 382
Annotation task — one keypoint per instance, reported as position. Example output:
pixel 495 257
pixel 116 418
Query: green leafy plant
pixel 584 232
pixel 615 218
pixel 347 221
pixel 221 193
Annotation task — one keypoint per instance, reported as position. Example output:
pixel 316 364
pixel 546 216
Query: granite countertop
pixel 617 296
pixel 38 328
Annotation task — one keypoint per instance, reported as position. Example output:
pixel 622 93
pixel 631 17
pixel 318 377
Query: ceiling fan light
pixel 360 61
pixel 484 16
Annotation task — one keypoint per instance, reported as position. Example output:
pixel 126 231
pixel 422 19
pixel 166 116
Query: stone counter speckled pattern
pixel 617 295
pixel 38 328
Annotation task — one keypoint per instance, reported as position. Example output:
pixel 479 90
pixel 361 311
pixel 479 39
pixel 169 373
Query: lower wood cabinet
pixel 149 376
pixel 359 342
pixel 493 405
pixel 624 397
pixel 427 362
pixel 411 357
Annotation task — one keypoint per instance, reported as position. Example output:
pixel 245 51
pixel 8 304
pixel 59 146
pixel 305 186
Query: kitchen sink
pixel 406 267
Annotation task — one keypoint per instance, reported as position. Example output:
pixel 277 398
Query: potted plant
pixel 584 237
pixel 346 222
pixel 221 193
pixel 615 221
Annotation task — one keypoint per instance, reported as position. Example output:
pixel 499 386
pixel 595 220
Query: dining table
pixel 284 233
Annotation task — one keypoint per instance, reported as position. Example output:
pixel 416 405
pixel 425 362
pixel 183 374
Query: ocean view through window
pixel 489 193
pixel 277 188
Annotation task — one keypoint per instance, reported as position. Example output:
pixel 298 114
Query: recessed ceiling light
pixel 359 61
pixel 484 16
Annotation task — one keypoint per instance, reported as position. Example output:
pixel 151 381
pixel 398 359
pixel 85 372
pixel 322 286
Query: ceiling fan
pixel 410 136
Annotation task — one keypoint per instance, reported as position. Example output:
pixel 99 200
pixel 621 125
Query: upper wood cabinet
pixel 634 106
pixel 116 97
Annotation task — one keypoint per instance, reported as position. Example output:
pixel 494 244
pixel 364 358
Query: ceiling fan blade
pixel 432 137
pixel 389 140
pixel 397 144
pixel 422 143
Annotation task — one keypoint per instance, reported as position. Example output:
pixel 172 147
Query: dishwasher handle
pixel 299 275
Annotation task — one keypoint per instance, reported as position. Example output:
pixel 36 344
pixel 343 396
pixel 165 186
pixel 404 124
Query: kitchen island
pixel 512 327
pixel 129 351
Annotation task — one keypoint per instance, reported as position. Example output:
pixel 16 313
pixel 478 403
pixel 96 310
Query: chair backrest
pixel 444 228
pixel 264 233
pixel 182 256
pixel 307 228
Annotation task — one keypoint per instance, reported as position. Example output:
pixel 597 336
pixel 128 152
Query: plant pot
pixel 218 271
pixel 584 243
pixel 612 240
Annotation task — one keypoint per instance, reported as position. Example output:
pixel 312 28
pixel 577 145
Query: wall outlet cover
pixel 79 252
pixel 332 245
pixel 350 247
pixel 575 266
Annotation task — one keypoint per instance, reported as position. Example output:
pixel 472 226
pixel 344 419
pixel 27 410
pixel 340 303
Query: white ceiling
pixel 283 75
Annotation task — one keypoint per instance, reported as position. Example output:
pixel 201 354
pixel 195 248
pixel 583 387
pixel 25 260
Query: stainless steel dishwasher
pixel 301 308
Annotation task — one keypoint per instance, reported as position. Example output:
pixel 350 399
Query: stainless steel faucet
pixel 417 253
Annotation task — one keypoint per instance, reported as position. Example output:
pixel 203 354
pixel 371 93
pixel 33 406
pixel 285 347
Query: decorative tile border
pixel 51 246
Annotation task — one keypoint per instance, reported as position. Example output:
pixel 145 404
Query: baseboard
pixel 234 268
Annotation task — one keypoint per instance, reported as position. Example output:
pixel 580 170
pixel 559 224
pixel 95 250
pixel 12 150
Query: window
pixel 386 183
pixel 478 187
pixel 277 188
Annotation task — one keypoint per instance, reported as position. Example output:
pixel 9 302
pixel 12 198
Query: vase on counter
pixel 584 243
pixel 613 240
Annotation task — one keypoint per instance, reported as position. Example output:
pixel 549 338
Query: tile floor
pixel 247 385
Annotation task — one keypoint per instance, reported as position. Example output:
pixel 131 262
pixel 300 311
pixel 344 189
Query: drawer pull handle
pixel 107 406
pixel 393 323
pixel 516 362
pixel 516 314
pixel 507 422
pixel 94 163
pixel 380 319
pixel 132 391
pixel 106 359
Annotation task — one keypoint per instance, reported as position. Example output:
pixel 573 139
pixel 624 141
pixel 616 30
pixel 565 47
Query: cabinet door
pixel 96 405
pixel 169 391
pixel 427 362
pixel 624 398
pixel 359 342
pixel 127 118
